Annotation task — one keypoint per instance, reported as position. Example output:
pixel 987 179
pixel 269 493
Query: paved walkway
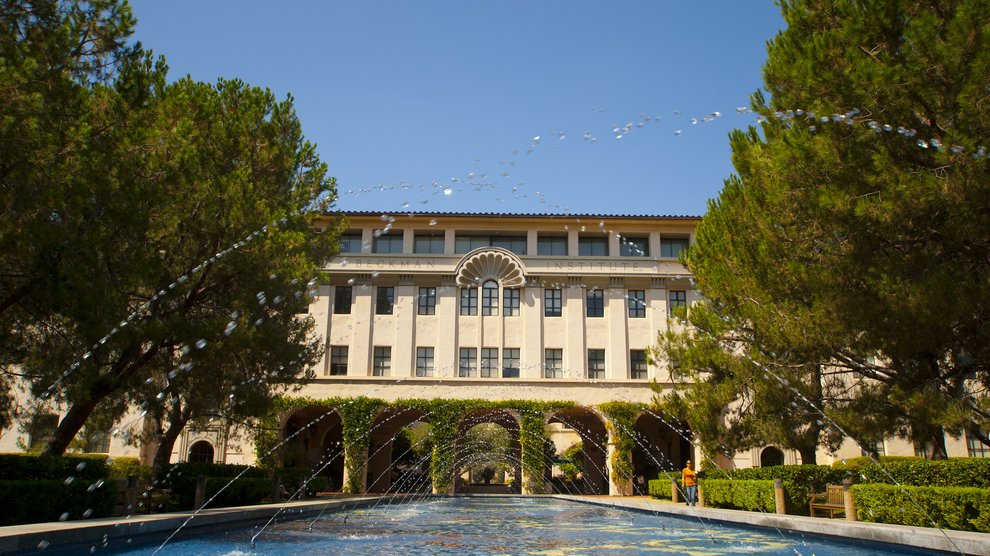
pixel 915 537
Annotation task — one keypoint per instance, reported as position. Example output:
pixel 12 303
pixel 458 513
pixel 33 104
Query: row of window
pixel 432 243
pixel 468 362
pixel 553 301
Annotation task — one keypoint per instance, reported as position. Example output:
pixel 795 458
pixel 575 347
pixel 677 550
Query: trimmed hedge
pixel 294 477
pixel 30 466
pixel 660 488
pixel 799 481
pixel 960 508
pixel 123 467
pixel 739 494
pixel 913 471
pixel 44 500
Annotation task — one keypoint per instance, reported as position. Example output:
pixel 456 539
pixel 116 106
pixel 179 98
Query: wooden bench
pixel 831 501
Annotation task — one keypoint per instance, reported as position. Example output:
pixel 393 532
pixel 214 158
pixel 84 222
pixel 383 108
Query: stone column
pixel 616 313
pixel 362 468
pixel 778 496
pixel 847 496
pixel 617 486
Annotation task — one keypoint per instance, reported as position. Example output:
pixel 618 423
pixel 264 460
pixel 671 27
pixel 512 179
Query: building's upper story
pixel 501 296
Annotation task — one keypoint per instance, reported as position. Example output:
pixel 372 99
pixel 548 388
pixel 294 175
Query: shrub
pixel 912 471
pixel 31 466
pixel 961 508
pixel 43 500
pixel 740 494
pixel 123 467
pixel 294 477
pixel 799 481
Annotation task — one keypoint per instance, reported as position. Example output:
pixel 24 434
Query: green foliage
pixel 960 508
pixel 87 467
pixel 799 481
pixel 357 416
pixel 293 479
pixel 740 494
pixel 955 472
pixel 660 488
pixel 623 425
pixel 44 500
pixel 123 467
pixel 844 266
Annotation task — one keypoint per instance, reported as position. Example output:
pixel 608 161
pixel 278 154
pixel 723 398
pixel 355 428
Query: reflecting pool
pixel 511 525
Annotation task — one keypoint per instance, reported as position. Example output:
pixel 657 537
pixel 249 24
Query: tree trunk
pixel 72 423
pixel 166 441
pixel 938 444
pixel 809 455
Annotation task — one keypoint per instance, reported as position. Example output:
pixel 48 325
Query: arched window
pixel 489 298
pixel 771 456
pixel 201 452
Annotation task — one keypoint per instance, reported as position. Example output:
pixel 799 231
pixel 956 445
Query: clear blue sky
pixel 402 95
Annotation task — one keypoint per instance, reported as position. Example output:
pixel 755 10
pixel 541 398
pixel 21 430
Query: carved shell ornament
pixel 491 263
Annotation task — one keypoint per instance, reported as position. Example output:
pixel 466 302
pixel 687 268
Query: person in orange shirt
pixel 689 478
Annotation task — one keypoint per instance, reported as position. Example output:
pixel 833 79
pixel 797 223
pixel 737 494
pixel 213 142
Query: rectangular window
pixel 596 363
pixel 350 242
pixel 878 446
pixel 467 243
pixel 384 301
pixel 383 361
pixel 595 303
pixel 42 428
pixel 510 301
pixel 551 246
pixel 489 362
pixel 636 303
pixel 671 247
pixel 489 298
pixel 637 364
pixel 469 301
pixel 388 244
pixel 975 448
pixel 424 361
pixel 338 360
pixel 468 364
pixel 634 247
pixel 99 443
pixel 427 301
pixel 428 244
pixel 552 303
pixel 510 363
pixel 675 299
pixel 553 363
pixel 595 246
pixel 342 300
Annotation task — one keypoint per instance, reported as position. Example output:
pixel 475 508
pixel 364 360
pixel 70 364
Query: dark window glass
pixel 596 363
pixel 595 306
pixel 489 298
pixel 551 246
pixel 975 448
pixel 553 363
pixel 384 301
pixel 350 242
pixel 671 247
pixel 427 301
pixel 383 361
pixel 424 361
pixel 200 452
pixel 42 428
pixel 552 303
pixel 431 244
pixel 489 362
pixel 593 246
pixel 388 244
pixel 634 247
pixel 675 299
pixel 510 301
pixel 510 363
pixel 636 302
pixel 468 362
pixel 466 243
pixel 469 301
pixel 637 364
pixel 342 300
pixel 516 244
pixel 338 360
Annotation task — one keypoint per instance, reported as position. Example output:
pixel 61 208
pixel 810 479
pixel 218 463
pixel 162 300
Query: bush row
pixel 41 500
pixel 912 471
pixel 960 508
pixel 799 481
pixel 739 494
pixel 30 466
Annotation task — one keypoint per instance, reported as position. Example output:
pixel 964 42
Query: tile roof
pixel 518 215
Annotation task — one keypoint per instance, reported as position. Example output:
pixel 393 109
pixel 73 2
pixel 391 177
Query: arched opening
pixel 201 451
pixel 488 458
pixel 399 452
pixel 771 456
pixel 659 447
pixel 581 434
pixel 315 443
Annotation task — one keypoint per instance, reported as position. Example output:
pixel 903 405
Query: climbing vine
pixel 621 424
